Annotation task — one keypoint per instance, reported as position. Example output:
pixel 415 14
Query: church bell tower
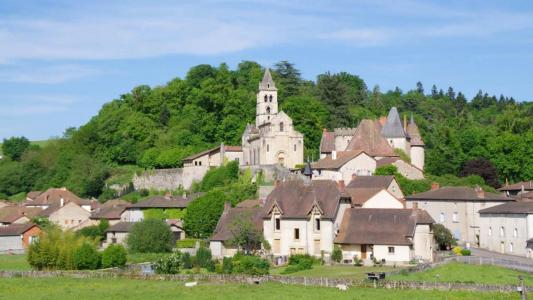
pixel 267 100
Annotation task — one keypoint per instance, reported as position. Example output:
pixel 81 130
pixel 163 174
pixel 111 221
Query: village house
pixel 517 188
pixel 387 183
pixel 111 211
pixel 17 214
pixel 507 228
pixel 221 242
pixel 457 208
pixel 67 215
pixel 359 151
pixel 16 238
pixel 395 235
pixel 57 197
pixel 136 212
pixel 118 233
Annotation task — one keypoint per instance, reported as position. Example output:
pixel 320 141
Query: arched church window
pixel 270 98
pixel 281 126
pixel 266 97
pixel 268 110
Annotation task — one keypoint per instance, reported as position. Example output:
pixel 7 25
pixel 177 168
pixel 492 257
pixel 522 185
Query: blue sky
pixel 61 60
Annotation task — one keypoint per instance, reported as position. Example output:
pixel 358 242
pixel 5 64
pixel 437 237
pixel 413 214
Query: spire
pixel 414 133
pixel 393 127
pixel 267 83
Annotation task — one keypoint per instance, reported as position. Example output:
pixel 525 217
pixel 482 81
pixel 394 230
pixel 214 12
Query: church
pixel 272 140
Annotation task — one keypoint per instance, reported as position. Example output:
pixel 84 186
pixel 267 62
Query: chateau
pixel 273 139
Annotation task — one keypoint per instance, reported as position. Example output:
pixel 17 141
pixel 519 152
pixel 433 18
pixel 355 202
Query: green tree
pixel 114 256
pixel 150 236
pixel 14 147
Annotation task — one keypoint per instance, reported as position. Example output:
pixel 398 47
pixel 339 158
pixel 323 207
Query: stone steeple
pixel 267 84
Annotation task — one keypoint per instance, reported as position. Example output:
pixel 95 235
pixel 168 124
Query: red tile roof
pixel 368 138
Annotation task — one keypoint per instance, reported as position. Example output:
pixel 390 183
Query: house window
pixel 490 231
pixel 195 163
pixel 277 223
pixel 199 163
pixel 442 217
pixel 317 224
pixel 502 231
pixel 391 250
pixel 515 232
pixel 455 217
pixel 281 126
pixel 511 247
pixel 113 240
pixel 296 233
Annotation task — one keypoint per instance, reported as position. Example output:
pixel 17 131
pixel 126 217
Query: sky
pixel 60 61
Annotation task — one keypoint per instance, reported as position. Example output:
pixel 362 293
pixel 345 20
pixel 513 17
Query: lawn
pixel 339 271
pixel 458 272
pixel 70 288
pixel 14 263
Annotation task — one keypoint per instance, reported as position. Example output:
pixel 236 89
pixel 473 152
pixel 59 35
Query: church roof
pixel 414 133
pixel 368 138
pixel 267 83
pixel 393 127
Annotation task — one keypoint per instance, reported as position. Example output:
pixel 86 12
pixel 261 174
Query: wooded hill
pixel 157 127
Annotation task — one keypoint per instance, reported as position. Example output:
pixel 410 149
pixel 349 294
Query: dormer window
pixel 277 223
pixel 317 224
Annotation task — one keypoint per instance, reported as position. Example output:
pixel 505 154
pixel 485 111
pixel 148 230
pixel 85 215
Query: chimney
pixel 63 188
pixel 480 193
pixel 61 202
pixel 334 155
pixel 435 186
pixel 340 185
pixel 382 120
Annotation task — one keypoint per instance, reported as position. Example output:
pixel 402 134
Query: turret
pixel 417 151
pixel 394 132
pixel 267 100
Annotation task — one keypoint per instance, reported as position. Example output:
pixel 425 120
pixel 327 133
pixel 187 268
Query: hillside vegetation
pixel 156 127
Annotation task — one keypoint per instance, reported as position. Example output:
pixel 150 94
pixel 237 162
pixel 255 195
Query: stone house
pixel 507 228
pixel 396 235
pixel 16 238
pixel 272 139
pixel 117 233
pixel 57 197
pixel 220 243
pixel 67 216
pixel 17 214
pixel 303 217
pixel 111 211
pixel 457 208
pixel 341 156
pixel 387 183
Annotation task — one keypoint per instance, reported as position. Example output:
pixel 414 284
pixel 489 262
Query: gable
pixel 383 199
pixel 70 210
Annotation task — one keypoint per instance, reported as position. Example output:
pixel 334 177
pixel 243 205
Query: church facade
pixel 272 139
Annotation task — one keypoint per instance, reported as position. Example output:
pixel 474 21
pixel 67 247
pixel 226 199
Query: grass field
pixel 457 272
pixel 348 272
pixel 14 263
pixel 69 288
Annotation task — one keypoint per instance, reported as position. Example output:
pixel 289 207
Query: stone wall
pixel 159 179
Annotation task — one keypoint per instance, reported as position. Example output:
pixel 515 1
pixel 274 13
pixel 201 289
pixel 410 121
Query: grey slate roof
pixel 414 133
pixel 163 202
pixel 121 227
pixel 267 83
pixel 393 127
pixel 457 193
pixel 510 208
pixel 225 227
pixel 528 186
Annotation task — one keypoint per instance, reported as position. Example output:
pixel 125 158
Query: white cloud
pixel 35 105
pixel 46 75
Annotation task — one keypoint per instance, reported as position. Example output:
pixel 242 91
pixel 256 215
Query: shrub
pixel 303 260
pixel 357 262
pixel 186 260
pixel 443 236
pixel 114 256
pixel 86 257
pixel 251 265
pixel 336 255
pixel 55 250
pixel 203 257
pixel 227 265
pixel 168 264
pixel 457 250
pixel 150 235
pixel 466 252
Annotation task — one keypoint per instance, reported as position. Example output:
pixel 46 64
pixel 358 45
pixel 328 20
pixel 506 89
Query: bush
pixel 86 257
pixel 299 262
pixel 457 250
pixel 227 265
pixel 251 265
pixel 169 264
pixel 203 257
pixel 336 255
pixel 150 235
pixel 114 256
pixel 466 252
pixel 186 260
pixel 443 236
pixel 96 231
pixel 357 262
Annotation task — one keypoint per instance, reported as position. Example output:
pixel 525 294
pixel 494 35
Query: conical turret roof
pixel 393 127
pixel 414 133
pixel 267 83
